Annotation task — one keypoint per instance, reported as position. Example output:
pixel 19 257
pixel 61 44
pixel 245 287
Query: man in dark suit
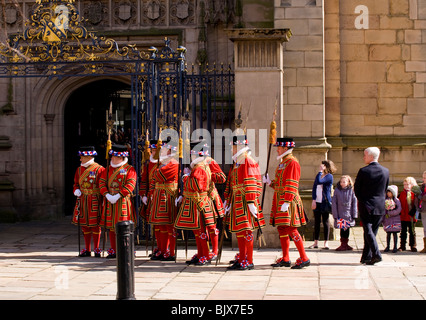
pixel 370 189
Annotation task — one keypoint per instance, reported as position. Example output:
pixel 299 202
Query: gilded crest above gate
pixel 55 33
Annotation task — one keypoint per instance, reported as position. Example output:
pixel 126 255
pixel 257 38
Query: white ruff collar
pixel 122 163
pixel 235 156
pixel 285 153
pixel 195 161
pixel 151 158
pixel 88 163
pixel 166 159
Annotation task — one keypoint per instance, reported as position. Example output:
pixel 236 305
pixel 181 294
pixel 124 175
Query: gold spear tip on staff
pixel 273 127
pixel 110 124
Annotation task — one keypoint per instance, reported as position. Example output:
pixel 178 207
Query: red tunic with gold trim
pixel 196 209
pixel 163 192
pixel 90 208
pixel 244 187
pixel 217 177
pixel 146 176
pixel 121 180
pixel 286 186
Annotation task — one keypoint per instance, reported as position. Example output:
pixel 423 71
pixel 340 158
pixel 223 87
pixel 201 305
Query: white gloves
pixel 113 199
pixel 186 171
pixel 253 209
pixel 145 200
pixel 266 179
pixel 227 208
pixel 177 200
pixel 285 206
pixel 77 192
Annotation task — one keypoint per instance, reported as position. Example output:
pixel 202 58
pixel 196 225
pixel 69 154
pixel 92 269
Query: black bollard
pixel 125 261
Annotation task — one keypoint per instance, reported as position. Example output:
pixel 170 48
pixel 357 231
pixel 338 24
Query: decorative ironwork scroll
pixel 55 33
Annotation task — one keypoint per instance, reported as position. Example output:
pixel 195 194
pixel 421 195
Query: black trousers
pixel 370 225
pixel 324 216
pixel 411 231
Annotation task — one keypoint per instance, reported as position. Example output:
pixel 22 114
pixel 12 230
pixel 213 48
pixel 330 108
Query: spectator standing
pixel 408 211
pixel 422 209
pixel 321 200
pixel 344 210
pixel 370 188
pixel 392 221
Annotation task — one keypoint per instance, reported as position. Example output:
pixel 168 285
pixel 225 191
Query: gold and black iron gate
pixel 163 90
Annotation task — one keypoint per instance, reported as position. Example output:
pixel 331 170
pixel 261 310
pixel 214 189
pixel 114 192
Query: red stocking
pixel 172 239
pixel 113 241
pixel 87 233
pixel 163 243
pixel 241 246
pixel 249 246
pixel 285 243
pixel 298 241
pixel 96 231
pixel 214 237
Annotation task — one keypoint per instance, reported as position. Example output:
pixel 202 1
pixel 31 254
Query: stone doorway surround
pixel 40 149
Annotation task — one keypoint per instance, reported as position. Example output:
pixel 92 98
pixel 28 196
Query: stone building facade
pixel 351 75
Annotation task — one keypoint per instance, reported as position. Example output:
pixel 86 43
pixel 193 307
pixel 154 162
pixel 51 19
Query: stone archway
pixel 43 143
pixel 85 124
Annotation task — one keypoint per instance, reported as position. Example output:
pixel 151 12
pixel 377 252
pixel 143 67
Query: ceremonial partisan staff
pixel 180 180
pixel 260 236
pixel 145 163
pixel 160 123
pixel 272 139
pixel 237 123
pixel 180 184
pixel 78 222
pixel 110 124
pixel 223 234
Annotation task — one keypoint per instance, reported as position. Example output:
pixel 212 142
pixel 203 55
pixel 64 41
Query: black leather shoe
pixel 364 260
pixel 281 263
pixel 194 260
pixel 84 253
pixel 169 258
pixel 234 266
pixel 157 257
pixel 373 261
pixel 301 264
pixel 250 266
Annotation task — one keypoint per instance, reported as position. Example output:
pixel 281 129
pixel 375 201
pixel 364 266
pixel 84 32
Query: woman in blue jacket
pixel 321 200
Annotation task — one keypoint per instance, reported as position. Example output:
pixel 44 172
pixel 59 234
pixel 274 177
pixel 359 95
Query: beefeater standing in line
pixel 196 212
pixel 117 188
pixel 162 194
pixel 144 188
pixel 287 212
pixel 242 198
pixel 88 207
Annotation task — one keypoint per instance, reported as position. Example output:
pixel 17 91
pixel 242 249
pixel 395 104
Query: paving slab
pixel 38 261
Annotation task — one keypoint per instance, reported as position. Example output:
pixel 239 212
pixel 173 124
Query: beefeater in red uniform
pixel 242 200
pixel 196 211
pixel 144 189
pixel 287 212
pixel 217 177
pixel 88 207
pixel 163 193
pixel 117 189
pixel 147 171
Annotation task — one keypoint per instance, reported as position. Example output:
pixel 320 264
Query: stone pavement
pixel 38 261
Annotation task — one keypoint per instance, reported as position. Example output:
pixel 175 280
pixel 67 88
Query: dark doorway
pixel 85 124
